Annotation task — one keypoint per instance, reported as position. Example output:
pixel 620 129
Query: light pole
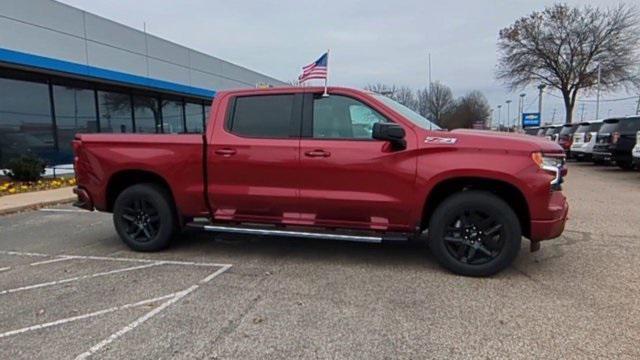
pixel 540 89
pixel 521 108
pixel 508 113
pixel 491 119
pixel 499 116
pixel 598 95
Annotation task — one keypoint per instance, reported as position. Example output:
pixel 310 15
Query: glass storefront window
pixel 172 117
pixel 194 117
pixel 115 112
pixel 147 114
pixel 75 113
pixel 25 121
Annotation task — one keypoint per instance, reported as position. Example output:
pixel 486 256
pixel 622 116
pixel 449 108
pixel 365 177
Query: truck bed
pixel 177 159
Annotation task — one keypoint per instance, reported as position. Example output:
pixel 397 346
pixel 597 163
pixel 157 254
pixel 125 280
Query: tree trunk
pixel 569 102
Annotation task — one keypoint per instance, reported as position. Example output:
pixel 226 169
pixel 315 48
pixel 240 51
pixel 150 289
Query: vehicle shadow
pixel 267 248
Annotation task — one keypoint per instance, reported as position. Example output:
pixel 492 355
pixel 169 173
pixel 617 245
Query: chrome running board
pixel 289 233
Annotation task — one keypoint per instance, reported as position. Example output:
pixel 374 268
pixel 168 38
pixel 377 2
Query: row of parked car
pixel 615 140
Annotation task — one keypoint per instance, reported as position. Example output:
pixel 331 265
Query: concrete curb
pixel 11 204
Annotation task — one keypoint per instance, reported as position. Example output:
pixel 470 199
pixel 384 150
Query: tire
pixel 144 217
pixel 625 165
pixel 478 220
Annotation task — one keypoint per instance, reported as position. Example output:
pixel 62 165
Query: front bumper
pixel 546 229
pixel 602 156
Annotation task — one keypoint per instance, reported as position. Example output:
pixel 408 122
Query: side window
pixel 341 117
pixel 262 116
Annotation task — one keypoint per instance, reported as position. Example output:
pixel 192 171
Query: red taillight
pixel 614 137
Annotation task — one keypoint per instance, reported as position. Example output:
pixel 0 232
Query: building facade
pixel 65 71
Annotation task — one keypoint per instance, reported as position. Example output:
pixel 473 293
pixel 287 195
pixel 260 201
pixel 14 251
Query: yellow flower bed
pixel 9 187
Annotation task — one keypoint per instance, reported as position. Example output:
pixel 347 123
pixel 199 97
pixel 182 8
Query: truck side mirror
pixel 391 132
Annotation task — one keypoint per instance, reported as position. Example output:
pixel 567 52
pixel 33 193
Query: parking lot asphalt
pixel 69 288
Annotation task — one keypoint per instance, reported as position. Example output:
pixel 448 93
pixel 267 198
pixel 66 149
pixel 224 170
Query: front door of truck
pixel 253 158
pixel 347 178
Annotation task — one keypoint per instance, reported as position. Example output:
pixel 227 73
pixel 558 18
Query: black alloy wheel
pixel 474 233
pixel 474 237
pixel 144 217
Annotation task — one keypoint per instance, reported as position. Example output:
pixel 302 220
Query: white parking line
pixel 108 258
pixel 149 315
pixel 5 268
pixel 62 258
pixel 146 263
pixel 66 210
pixel 19 253
pixel 58 282
pixel 85 316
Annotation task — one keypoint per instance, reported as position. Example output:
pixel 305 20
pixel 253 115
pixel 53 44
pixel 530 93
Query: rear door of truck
pixel 253 157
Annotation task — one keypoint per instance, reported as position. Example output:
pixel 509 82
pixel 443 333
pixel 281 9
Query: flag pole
pixel 326 79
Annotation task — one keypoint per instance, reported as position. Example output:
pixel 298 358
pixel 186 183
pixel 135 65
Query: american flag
pixel 315 70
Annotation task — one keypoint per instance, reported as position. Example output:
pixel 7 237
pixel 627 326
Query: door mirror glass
pixel 391 132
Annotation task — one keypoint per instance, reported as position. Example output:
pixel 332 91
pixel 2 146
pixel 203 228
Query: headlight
pixel 551 164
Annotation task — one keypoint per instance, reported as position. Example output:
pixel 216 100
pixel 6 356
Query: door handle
pixel 226 152
pixel 317 153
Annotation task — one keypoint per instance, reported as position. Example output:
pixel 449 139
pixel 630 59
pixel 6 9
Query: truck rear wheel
pixel 474 233
pixel 144 217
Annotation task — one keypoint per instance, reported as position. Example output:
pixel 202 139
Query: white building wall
pixel 52 29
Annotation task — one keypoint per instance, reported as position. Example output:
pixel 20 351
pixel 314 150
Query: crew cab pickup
pixel 350 165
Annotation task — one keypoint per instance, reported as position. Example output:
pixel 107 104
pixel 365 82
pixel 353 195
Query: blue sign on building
pixel 530 120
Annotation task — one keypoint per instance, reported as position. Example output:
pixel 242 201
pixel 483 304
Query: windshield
pixel 566 130
pixel 409 114
pixel 595 127
pixel 609 127
pixel 583 128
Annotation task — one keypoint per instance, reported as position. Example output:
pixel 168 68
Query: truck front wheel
pixel 144 218
pixel 474 233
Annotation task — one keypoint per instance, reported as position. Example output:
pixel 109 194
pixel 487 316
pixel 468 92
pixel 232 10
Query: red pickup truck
pixel 353 165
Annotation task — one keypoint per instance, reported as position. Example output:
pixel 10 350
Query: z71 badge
pixel 440 140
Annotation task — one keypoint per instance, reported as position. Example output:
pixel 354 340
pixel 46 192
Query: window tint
pixel 172 119
pixel 583 128
pixel 25 120
pixel 629 125
pixel 115 112
pixel 609 127
pixel 75 113
pixel 193 113
pixel 341 117
pixel 266 116
pixel 566 130
pixel 595 127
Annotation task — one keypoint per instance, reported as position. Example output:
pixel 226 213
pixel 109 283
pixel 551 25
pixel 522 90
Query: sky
pixel 372 41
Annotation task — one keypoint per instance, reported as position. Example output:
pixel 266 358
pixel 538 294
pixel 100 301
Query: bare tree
pixel 383 89
pixel 469 109
pixel 563 46
pixel 435 103
pixel 402 94
pixel 406 97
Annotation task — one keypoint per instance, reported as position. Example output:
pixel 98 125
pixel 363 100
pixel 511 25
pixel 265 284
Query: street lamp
pixel 499 116
pixel 508 113
pixel 540 89
pixel 521 108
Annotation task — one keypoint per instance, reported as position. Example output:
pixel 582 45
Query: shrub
pixel 25 168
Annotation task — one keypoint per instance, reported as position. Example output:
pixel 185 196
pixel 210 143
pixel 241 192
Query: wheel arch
pixel 508 192
pixel 121 180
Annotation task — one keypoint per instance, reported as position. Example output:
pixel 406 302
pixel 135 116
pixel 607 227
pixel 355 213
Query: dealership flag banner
pixel 318 69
